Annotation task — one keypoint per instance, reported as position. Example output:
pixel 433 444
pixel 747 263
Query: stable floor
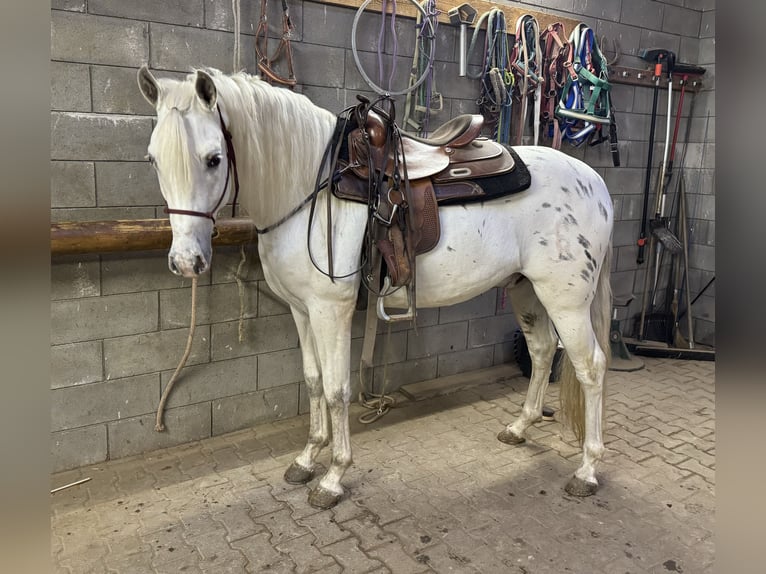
pixel 430 490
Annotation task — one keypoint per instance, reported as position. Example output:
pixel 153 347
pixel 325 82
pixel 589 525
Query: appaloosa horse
pixel 548 246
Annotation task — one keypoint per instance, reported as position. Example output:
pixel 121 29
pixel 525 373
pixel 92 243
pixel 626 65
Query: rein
pixel 231 167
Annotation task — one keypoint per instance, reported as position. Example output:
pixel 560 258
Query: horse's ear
pixel 148 86
pixel 206 90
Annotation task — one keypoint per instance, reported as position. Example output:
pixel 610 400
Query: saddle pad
pixel 485 188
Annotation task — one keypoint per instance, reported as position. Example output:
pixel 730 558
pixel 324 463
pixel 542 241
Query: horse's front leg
pixel 331 326
pixel 301 470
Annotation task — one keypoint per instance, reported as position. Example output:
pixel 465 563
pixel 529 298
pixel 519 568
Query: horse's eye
pixel 214 161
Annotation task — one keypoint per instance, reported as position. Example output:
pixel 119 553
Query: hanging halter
pixel 265 62
pixel 231 167
pixel 585 104
pixel 555 50
pixel 496 77
pixel 419 104
pixel 527 65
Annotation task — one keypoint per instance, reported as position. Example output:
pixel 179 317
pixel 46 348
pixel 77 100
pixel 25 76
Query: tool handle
pixel 641 248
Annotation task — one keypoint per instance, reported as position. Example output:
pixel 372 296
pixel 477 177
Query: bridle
pixel 231 167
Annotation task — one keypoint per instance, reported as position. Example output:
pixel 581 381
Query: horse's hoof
pixel 508 437
pixel 323 498
pixel 579 487
pixel 296 474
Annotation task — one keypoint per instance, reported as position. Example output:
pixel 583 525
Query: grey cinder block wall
pixel 120 321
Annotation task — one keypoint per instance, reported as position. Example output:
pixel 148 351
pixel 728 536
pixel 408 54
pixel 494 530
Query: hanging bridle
pixel 262 35
pixel 231 167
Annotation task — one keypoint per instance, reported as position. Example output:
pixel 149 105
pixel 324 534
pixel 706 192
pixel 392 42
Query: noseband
pixel 231 166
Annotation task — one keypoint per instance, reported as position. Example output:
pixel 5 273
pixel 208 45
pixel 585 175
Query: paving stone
pixel 304 554
pixel 350 557
pixel 455 500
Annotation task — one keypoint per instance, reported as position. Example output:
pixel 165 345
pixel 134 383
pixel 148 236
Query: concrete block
pixel 91 318
pixel 368 36
pixel 624 182
pixel 279 368
pixel 181 49
pixel 320 65
pixel 70 87
pixel 706 51
pixel 704 332
pixel 125 184
pixel 463 361
pixel 386 351
pixel 503 354
pixel 707 25
pixel 142 271
pixel 404 373
pixel 625 233
pixel 182 12
pixel 628 37
pixel 369 61
pixel 655 39
pixel 602 9
pixel 643 13
pixel 215 303
pixel 626 257
pixel 490 330
pixel 326 21
pixel 242 411
pixel 332 99
pixel 115 91
pixel 78 447
pixel 226 262
pixel 98 40
pixel 623 282
pixel 211 381
pixel 73 184
pixel 158 351
pixel 481 306
pixel 634 126
pixel 436 340
pixel 71 5
pixel 702 257
pixel 269 303
pixel 219 16
pixel 262 335
pixel 688 52
pixel 702 207
pixel 99 213
pixel 76 136
pixel 632 206
pixel 622 99
pixel 76 364
pixel 74 277
pixel 136 435
pixel 84 405
pixel 453 86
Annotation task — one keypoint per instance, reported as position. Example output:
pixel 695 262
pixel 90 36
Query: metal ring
pixel 377 89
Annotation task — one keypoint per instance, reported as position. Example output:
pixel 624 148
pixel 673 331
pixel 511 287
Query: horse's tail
pixel 572 398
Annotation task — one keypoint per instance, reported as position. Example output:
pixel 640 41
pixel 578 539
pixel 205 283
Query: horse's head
pixel 188 149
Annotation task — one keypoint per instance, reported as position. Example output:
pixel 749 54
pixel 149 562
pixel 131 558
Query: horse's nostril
pixel 174 267
pixel 199 265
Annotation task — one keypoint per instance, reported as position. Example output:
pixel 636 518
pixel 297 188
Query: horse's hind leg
pixel 541 342
pixel 302 469
pixel 589 363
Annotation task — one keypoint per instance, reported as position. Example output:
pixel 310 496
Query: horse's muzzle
pixel 192 266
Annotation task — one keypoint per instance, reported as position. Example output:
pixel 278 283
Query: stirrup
pixel 409 315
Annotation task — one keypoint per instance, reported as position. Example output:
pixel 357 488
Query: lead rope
pixel 378 404
pixel 159 426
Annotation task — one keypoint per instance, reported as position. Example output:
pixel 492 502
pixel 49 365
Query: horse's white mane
pixel 278 135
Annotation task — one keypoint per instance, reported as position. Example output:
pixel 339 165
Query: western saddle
pixel 403 178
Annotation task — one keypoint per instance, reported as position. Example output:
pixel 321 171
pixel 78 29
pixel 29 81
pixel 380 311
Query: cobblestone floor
pixel 431 490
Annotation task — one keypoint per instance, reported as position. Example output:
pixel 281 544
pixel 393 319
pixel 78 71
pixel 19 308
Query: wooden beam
pixel 512 13
pixel 645 77
pixel 78 237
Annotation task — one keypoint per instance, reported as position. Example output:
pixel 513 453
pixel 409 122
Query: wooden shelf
pixel 512 13
pixel 645 77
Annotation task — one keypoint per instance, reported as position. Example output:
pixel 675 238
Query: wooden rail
pixel 71 237
pixel 512 13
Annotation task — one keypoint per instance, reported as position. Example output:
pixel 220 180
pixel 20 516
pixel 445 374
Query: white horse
pixel 549 247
